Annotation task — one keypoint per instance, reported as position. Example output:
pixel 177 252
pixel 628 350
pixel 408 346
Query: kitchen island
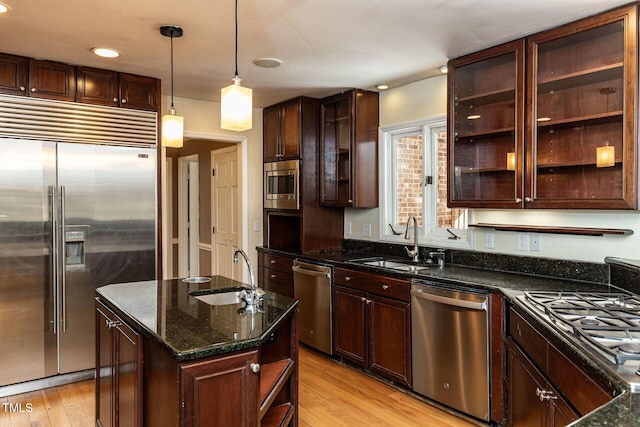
pixel 171 352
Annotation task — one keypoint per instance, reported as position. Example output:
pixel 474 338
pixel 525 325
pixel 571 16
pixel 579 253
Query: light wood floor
pixel 330 394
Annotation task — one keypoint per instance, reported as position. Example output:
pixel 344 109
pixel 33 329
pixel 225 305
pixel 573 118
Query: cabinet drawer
pixel 583 392
pixel 276 281
pixel 528 338
pixel 373 283
pixel 276 262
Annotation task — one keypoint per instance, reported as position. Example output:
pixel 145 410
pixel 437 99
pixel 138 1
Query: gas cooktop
pixel 605 323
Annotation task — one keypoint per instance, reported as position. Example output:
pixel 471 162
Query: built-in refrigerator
pixel 73 216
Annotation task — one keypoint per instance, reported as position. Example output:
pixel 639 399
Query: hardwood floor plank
pixel 331 394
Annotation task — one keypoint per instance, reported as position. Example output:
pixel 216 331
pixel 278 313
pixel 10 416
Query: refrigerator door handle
pixel 62 256
pixel 54 256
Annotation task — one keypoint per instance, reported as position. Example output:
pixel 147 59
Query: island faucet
pixel 255 294
pixel 415 252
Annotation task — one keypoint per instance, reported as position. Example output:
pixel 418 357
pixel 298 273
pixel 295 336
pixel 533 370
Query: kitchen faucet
pixel 255 294
pixel 415 252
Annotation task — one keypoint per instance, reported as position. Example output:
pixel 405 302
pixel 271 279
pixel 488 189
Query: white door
pixel 225 212
pixel 188 216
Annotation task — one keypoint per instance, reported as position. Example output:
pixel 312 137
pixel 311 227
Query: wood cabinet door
pixel 581 141
pixel 128 376
pixel 96 86
pixel 350 324
pixel 524 408
pixel 390 338
pixel 105 367
pixel 13 74
pixel 271 133
pixel 290 132
pixel 138 92
pixel 221 392
pixel 52 80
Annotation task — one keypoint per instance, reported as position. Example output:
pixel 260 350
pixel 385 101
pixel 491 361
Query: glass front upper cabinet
pixel 486 113
pixel 581 145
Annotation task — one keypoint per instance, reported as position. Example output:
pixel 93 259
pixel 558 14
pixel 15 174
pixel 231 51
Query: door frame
pixel 186 207
pixel 243 176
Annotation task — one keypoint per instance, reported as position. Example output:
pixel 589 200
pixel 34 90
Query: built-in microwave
pixel 282 185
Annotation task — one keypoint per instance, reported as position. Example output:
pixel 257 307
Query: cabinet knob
pixel 273 276
pixel 124 101
pixel 363 299
pixel 545 395
pixel 22 88
pixel 368 301
pixel 273 261
pixel 115 99
pixel 347 278
pixel 33 89
pixel 385 287
pixel 518 200
pixel 528 199
pixel 255 367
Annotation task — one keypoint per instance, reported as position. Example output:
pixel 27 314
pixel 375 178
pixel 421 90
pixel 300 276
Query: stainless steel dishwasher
pixel 312 287
pixel 450 347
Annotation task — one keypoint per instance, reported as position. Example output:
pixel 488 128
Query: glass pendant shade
pixel 236 107
pixel 172 129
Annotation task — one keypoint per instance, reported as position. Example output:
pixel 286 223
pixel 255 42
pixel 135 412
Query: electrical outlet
pixel 347 227
pixel 488 240
pixel 366 230
pixel 534 241
pixel 522 241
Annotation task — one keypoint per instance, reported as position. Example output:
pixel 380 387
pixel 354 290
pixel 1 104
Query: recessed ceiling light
pixel 383 87
pixel 267 62
pixel 3 8
pixel 105 52
pixel 443 69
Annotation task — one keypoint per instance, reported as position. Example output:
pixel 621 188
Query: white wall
pixel 427 98
pixel 202 119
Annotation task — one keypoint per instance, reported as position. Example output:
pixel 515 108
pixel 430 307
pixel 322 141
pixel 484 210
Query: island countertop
pixel 168 312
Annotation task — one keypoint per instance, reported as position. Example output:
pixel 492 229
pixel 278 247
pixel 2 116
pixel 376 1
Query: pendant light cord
pixel 172 69
pixel 236 38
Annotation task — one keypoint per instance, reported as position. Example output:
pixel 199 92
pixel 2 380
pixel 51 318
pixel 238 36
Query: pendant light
pixel 236 104
pixel 172 125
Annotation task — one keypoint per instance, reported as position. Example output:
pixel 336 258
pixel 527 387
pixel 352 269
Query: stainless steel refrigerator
pixel 73 217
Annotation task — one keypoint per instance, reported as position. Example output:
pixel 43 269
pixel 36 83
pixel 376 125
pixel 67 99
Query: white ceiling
pixel 325 45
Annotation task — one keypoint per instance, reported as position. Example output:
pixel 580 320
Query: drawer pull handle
pixel 347 278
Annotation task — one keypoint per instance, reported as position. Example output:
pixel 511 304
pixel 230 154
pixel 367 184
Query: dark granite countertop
pixel 168 312
pixel 624 409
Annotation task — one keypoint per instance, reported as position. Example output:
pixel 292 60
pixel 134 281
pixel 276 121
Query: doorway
pixel 188 216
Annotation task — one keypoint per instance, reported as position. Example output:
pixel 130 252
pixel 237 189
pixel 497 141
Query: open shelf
pixel 485 134
pixel 577 231
pixel 278 416
pixel 489 97
pixel 582 77
pixel 573 121
pixel 273 377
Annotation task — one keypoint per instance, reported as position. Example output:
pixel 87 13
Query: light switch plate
pixel 347 227
pixel 256 225
pixel 366 230
pixel 522 241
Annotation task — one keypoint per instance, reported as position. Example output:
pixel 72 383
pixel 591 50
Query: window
pixel 414 183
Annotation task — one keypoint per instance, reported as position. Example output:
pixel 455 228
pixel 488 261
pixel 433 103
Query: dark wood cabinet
pixel 533 402
pixel 119 372
pixel 544 387
pixel 349 149
pixel 13 74
pixel 229 379
pixel 560 133
pixel 371 330
pixel 105 87
pixel 282 132
pixel 275 274
pixel 52 80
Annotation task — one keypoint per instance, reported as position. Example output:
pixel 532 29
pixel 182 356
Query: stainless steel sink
pixel 391 264
pixel 221 298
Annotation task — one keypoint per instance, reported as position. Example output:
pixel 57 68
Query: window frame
pixel 428 233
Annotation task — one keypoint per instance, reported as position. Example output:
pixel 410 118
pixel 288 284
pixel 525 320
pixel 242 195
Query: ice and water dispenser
pixel 75 239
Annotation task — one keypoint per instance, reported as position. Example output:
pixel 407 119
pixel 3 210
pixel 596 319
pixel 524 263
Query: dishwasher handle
pixel 315 273
pixel 451 301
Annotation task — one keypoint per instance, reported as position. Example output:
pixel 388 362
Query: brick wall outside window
pixel 409 177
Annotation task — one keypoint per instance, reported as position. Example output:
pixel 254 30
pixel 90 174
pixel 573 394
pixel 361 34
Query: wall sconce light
pixel 511 161
pixel 172 124
pixel 605 156
pixel 236 103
